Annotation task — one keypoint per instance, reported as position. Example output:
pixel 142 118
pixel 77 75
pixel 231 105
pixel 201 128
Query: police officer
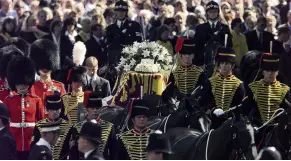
pixel 89 141
pixel 133 142
pixel 7 141
pixel 159 147
pixel 54 106
pixel 186 76
pixel 122 32
pixel 223 90
pixel 209 32
pixel 107 146
pixel 42 150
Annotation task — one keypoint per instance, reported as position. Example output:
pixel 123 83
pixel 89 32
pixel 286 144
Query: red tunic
pixel 46 89
pixel 24 113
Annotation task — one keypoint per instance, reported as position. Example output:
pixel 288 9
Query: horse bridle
pixel 240 151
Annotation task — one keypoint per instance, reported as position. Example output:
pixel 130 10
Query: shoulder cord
pixel 206 151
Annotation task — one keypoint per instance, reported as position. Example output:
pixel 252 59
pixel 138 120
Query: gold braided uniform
pixel 226 91
pixel 133 144
pixel 183 81
pixel 266 98
pixel 71 103
pixel 59 151
pixel 108 138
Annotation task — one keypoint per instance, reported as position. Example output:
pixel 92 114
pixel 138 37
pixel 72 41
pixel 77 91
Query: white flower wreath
pixel 133 55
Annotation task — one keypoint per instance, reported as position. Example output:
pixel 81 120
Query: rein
pixel 274 116
pixel 207 143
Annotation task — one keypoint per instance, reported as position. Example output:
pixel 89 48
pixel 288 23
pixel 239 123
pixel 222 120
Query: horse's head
pixel 243 138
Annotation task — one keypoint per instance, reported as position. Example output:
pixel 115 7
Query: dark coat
pixel 204 34
pixel 102 87
pixel 95 155
pixel 116 38
pixel 28 36
pixel 40 152
pixel 98 50
pixel 278 47
pixel 283 13
pixel 254 42
pixel 7 145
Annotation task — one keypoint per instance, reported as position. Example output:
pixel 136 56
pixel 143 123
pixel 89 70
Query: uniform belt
pixel 22 125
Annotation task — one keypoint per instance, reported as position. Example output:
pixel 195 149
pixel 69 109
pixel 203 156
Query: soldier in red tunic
pixel 46 63
pixel 25 109
pixel 9 53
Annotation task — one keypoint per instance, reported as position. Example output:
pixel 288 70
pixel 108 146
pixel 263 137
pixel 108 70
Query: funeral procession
pixel 145 79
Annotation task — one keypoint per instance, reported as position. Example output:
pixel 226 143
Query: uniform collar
pixel 43 142
pixel 140 131
pixel 226 77
pixel 51 120
pixel 272 84
pixel 88 153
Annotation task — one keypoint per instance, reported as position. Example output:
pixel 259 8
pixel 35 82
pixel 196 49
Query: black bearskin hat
pixel 139 107
pixel 121 6
pixel 212 5
pixel 91 131
pixel 53 102
pixel 21 44
pixel 78 74
pixel 225 54
pixel 159 143
pixel 94 101
pixel 45 55
pixel 185 46
pixel 270 62
pixel 20 70
pixel 10 52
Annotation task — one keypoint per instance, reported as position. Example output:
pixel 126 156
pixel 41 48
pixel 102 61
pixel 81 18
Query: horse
pixel 110 73
pixel 234 139
pixel 279 137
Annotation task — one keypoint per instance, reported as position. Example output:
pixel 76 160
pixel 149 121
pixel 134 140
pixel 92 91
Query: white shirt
pixel 72 37
pixel 119 23
pixel 44 142
pixel 211 22
pixel 98 39
pixel 1 128
pixel 88 153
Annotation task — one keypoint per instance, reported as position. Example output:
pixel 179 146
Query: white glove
pixel 218 112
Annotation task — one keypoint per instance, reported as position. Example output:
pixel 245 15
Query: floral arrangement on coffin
pixel 133 56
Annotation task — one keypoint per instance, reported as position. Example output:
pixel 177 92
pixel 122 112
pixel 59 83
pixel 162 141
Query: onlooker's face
pixel 225 9
pixel 237 27
pixel 42 17
pixel 250 25
pixel 165 35
pixel 99 32
pixel 91 70
pixel 58 29
pixel 179 20
pixel 261 26
pixel 178 7
pixel 9 27
pixel 6 5
pixel 70 28
pixel 31 21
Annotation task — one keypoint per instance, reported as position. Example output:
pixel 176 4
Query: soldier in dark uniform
pixel 54 106
pixel 159 147
pixel 265 96
pixel 223 90
pixel 122 32
pixel 133 142
pixel 74 101
pixel 107 146
pixel 42 150
pixel 186 77
pixel 89 141
pixel 209 32
pixel 7 141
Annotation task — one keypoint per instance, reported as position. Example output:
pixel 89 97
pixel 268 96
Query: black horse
pixel 233 140
pixel 279 137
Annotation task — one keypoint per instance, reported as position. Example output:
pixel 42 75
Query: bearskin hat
pixel 185 46
pixel 212 5
pixel 10 52
pixel 121 6
pixel 21 44
pixel 45 55
pixel 270 62
pixel 79 53
pixel 20 70
pixel 140 107
pixel 225 54
pixel 78 74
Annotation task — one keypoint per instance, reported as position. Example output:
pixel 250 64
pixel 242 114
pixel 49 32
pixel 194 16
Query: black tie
pixel 213 26
pixel 261 37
